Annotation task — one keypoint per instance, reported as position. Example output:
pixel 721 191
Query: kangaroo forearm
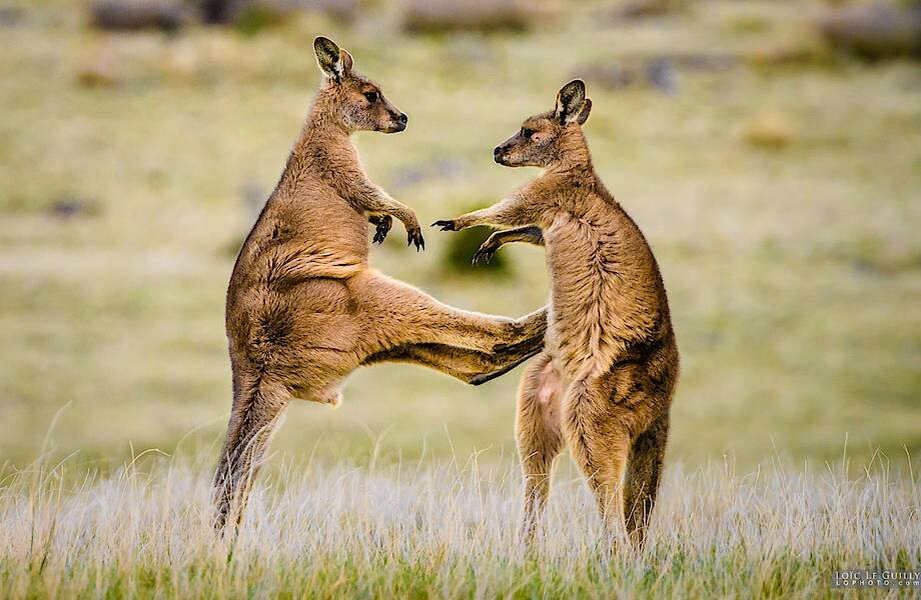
pixel 370 198
pixel 386 205
pixel 529 234
pixel 511 212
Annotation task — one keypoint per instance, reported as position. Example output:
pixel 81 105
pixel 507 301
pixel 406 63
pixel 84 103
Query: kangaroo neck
pixel 569 174
pixel 323 138
pixel 323 149
pixel 572 153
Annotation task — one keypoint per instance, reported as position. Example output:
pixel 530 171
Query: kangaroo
pixel 303 307
pixel 605 381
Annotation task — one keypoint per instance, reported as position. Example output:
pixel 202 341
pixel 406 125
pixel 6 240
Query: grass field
pixel 410 530
pixel 778 183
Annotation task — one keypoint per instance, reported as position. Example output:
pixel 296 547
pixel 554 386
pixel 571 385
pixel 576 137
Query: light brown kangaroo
pixel 605 382
pixel 303 307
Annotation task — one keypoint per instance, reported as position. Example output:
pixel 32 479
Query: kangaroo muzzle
pixel 398 122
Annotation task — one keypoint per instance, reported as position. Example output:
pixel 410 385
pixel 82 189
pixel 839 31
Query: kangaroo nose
pixel 403 118
pixel 496 151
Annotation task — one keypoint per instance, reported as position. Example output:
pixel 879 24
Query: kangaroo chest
pixel 598 296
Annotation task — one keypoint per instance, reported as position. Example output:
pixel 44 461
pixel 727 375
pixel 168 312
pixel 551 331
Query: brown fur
pixel 303 307
pixel 605 382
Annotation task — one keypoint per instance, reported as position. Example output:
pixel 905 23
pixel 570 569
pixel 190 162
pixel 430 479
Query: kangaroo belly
pixel 324 319
pixel 312 326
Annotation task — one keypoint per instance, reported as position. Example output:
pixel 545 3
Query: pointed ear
pixel 583 114
pixel 328 57
pixel 569 101
pixel 346 59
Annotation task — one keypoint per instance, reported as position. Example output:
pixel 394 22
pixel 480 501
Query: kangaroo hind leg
pixel 644 471
pixel 256 411
pixel 538 435
pixel 400 314
pixel 469 366
pixel 600 442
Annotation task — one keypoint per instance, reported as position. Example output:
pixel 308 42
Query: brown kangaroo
pixel 303 307
pixel 605 382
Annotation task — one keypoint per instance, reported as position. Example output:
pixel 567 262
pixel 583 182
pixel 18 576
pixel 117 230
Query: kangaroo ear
pixel 329 58
pixel 569 101
pixel 346 59
pixel 583 114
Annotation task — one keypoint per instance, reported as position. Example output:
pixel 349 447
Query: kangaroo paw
pixel 383 225
pixel 414 236
pixel 483 255
pixel 446 225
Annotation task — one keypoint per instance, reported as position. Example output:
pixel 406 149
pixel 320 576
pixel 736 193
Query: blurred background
pixel 770 150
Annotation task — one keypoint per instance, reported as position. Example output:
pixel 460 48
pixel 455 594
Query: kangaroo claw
pixel 483 255
pixel 445 225
pixel 414 236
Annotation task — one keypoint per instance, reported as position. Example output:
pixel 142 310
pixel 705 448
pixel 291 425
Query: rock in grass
pixel 485 16
pixel 69 207
pixel 874 32
pixel 660 74
pixel 657 72
pixel 345 12
pixel 133 15
pixel 252 16
pixel 791 53
pixel 770 130
pixel 607 76
pixel 639 9
pixel 98 74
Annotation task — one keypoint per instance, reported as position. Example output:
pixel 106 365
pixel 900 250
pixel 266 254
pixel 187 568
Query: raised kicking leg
pixel 400 314
pixel 470 366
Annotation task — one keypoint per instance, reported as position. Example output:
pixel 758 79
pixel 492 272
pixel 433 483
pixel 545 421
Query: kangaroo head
pixel 547 138
pixel 353 100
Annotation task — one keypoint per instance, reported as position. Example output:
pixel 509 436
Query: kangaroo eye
pixel 527 133
pixel 371 96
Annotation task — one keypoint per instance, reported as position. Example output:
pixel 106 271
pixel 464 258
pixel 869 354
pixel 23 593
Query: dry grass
pixel 445 530
pixel 793 275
